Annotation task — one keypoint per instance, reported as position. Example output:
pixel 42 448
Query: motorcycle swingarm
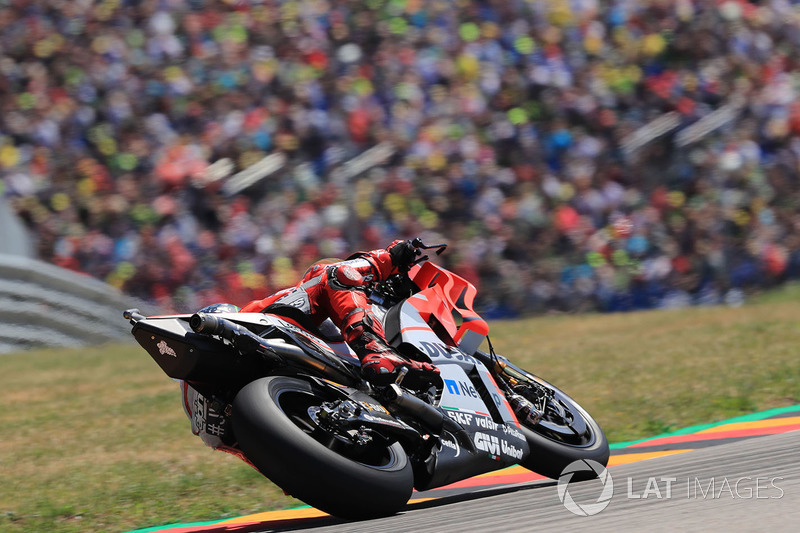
pixel 356 409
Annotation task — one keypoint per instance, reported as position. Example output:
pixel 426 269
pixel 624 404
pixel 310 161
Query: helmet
pixel 220 308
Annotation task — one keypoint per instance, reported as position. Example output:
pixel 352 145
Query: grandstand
pixel 577 156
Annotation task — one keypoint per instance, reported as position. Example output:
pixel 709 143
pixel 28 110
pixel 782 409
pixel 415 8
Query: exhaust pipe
pixel 431 418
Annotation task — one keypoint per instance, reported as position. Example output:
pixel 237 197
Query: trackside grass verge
pixel 96 439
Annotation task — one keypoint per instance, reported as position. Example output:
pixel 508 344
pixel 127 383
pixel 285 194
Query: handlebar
pixel 419 245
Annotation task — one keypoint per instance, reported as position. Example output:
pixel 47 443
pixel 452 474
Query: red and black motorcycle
pixel 290 400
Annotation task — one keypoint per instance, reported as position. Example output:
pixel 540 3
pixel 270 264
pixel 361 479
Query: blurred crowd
pixel 197 151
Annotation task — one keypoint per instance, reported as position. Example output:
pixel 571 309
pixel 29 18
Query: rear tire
pixel 271 422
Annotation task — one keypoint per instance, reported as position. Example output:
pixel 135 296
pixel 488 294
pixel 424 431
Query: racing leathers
pixel 337 291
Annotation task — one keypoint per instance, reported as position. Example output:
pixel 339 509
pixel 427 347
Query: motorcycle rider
pixel 335 290
pixel 338 291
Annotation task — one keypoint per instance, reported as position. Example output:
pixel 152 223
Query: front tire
pixel 566 433
pixel 272 424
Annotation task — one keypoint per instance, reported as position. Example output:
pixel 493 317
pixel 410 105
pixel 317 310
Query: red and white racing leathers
pixel 336 291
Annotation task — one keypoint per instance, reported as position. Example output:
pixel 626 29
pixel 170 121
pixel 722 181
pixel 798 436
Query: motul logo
pixel 487 443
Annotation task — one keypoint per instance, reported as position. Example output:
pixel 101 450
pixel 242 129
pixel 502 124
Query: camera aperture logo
pixel 585 467
pixel 581 498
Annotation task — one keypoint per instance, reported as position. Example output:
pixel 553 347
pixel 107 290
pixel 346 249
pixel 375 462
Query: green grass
pixel 96 439
pixel 641 374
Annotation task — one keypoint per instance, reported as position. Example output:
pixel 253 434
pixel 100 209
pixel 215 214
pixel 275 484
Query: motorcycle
pixel 289 399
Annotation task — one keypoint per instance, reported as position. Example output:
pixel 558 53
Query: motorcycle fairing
pixel 470 396
pixel 409 326
pixel 458 296
pixel 186 355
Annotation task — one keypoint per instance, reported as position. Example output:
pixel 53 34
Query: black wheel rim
pixel 564 422
pixel 295 404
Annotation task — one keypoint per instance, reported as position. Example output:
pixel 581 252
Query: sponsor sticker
pixel 468 419
pixel 494 446
pixel 453 445
pixel 513 432
pixel 164 349
pixel 487 443
pixel 373 407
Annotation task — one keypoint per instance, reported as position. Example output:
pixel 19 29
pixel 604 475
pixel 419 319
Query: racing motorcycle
pixel 288 397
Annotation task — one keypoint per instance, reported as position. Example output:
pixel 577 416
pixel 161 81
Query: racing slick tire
pixel 273 427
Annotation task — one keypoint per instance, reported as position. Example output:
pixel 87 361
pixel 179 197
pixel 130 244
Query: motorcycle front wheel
pixel 272 423
pixel 566 433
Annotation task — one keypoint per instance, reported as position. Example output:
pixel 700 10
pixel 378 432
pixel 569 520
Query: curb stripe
pixel 769 423
pixel 779 420
pixel 696 429
pixel 719 435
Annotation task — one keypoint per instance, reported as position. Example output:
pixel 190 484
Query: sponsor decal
pixel 495 446
pixel 487 443
pixel 298 303
pixel 351 273
pixel 486 423
pixel 465 419
pixel 206 419
pixel 164 349
pixel 373 407
pixel 510 450
pixel 513 432
pixel 437 350
pixel 460 388
pixel 453 445
pixel 382 421
pixel 497 400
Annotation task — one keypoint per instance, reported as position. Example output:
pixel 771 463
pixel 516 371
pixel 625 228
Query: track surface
pixel 536 506
pixel 760 452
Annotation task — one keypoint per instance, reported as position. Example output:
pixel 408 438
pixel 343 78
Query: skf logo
pixel 487 443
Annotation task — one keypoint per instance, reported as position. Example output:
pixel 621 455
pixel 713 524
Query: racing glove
pixel 403 254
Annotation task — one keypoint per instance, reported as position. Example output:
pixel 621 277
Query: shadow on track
pixel 309 524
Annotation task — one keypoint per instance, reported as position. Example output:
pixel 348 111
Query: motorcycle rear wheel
pixel 566 433
pixel 276 433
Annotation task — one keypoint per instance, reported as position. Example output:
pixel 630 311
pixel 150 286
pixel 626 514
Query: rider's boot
pixel 380 365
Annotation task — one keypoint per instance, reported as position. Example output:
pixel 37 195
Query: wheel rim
pixel 297 404
pixel 563 421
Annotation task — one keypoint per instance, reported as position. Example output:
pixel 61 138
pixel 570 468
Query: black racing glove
pixel 403 254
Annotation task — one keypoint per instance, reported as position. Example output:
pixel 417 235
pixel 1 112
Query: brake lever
pixel 420 260
pixel 417 243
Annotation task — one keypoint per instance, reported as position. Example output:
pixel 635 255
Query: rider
pixel 337 291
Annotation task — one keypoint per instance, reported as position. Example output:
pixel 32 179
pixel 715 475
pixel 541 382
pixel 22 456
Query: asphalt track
pixel 739 475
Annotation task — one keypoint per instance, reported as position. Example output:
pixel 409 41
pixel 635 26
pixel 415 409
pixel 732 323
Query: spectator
pixel 123 123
